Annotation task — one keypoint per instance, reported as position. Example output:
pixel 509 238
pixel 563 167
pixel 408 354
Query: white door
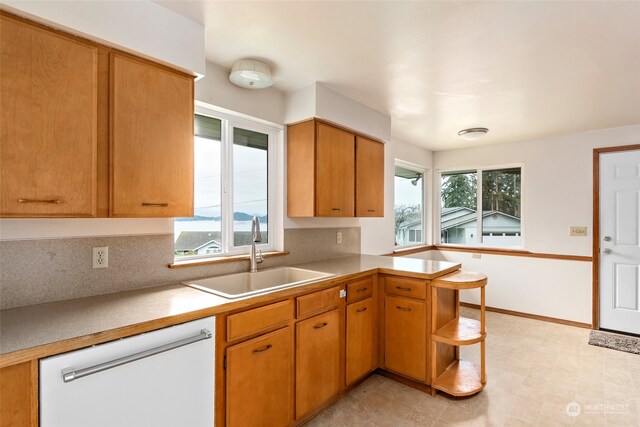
pixel 620 241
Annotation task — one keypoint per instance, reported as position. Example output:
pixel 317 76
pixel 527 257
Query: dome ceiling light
pixel 472 134
pixel 251 74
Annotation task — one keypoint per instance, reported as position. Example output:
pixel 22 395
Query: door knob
pixel 606 251
pixel 607 238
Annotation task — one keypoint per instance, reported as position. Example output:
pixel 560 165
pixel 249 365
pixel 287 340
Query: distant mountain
pixel 237 216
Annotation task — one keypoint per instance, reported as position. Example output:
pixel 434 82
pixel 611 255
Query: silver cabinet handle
pixel 68 374
pixel 606 251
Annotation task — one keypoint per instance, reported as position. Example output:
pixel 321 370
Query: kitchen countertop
pixel 44 329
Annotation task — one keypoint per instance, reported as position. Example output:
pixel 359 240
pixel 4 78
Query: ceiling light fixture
pixel 472 134
pixel 251 74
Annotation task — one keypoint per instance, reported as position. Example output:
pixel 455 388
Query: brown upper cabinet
pixel 49 122
pixel 151 139
pixel 322 179
pixel 369 177
pixel 88 131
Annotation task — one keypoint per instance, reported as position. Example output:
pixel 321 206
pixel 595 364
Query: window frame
pixel 229 121
pixel 424 199
pixel 437 195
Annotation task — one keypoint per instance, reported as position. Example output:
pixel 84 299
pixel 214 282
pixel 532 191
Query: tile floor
pixel 534 370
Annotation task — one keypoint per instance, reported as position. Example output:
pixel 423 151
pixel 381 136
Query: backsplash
pixel 39 271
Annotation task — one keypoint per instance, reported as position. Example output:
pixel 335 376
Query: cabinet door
pixel 360 340
pixel 151 140
pixel 369 177
pixel 317 361
pixel 19 395
pixel 49 116
pixel 259 381
pixel 405 337
pixel 335 171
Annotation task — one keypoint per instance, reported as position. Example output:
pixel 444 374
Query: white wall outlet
pixel 101 257
pixel 574 230
pixel 339 237
pixel 476 255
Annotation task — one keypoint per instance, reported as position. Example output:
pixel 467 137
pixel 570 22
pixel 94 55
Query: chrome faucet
pixel 256 237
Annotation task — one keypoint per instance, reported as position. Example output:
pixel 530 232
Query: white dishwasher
pixel 160 378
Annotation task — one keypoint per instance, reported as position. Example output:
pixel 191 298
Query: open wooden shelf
pixel 461 378
pixel 460 331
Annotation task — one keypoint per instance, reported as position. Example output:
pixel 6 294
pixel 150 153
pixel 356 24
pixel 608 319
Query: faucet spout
pixel 256 237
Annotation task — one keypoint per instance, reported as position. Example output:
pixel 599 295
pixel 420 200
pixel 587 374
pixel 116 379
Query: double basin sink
pixel 242 285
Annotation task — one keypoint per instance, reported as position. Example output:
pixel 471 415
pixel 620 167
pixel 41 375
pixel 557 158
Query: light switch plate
pixel 476 255
pixel 575 230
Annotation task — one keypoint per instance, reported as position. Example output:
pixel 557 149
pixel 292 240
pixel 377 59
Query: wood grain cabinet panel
pixel 360 345
pixel 359 289
pixel 151 139
pixel 317 361
pixel 405 337
pixel 259 381
pixel 260 319
pixel 49 116
pixel 369 178
pixel 335 176
pixel 317 302
pixel 19 395
pixel 333 172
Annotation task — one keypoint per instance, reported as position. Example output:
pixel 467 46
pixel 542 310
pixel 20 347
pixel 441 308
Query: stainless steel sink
pixel 241 285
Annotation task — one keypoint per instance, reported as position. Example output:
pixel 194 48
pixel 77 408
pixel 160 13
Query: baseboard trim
pixel 531 316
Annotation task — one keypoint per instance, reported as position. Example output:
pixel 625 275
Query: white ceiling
pixel 522 69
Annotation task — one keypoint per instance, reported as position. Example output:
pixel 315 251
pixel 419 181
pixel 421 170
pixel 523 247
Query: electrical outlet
pixel 476 255
pixel 101 257
pixel 339 237
pixel 577 231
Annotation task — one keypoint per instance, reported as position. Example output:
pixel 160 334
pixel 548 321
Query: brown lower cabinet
pixel 405 337
pixel 259 381
pixel 317 361
pixel 360 350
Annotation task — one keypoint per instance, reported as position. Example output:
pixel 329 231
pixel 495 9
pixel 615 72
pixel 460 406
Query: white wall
pixel 141 27
pixel 557 193
pixel 216 89
pixel 377 234
pixel 318 100
pixel 552 288
pixel 557 182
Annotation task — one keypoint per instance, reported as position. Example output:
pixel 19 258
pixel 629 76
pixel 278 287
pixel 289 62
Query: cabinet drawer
pixel 359 289
pixel 317 301
pixel 259 319
pixel 405 286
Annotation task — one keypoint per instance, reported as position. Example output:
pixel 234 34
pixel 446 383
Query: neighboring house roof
pixel 511 222
pixel 209 243
pixel 192 240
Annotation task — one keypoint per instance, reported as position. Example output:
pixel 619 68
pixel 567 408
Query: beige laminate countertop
pixel 45 329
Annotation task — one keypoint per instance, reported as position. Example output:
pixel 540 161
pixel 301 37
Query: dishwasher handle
pixel 69 374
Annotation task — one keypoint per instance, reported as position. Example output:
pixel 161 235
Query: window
pixel 408 206
pixel 481 207
pixel 233 182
